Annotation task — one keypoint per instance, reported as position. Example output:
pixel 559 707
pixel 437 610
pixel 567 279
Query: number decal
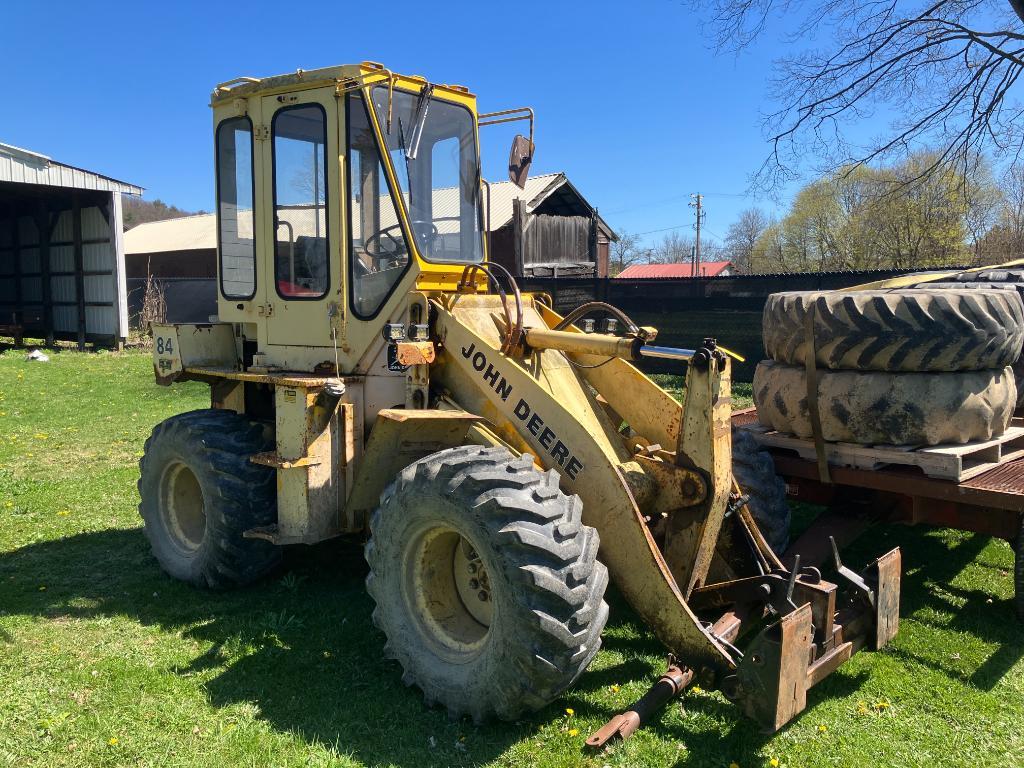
pixel 164 346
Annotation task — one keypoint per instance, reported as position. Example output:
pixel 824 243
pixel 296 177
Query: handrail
pixel 521 113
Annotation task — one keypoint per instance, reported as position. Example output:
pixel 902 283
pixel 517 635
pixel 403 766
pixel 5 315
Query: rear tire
pixel 199 493
pixel 754 470
pixel 486 582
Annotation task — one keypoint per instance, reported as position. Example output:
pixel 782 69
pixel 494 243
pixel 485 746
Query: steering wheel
pixel 379 250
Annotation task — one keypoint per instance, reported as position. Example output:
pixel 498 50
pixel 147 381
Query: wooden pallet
pixel 946 462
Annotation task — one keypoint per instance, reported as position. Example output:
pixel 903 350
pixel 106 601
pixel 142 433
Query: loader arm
pixel 549 409
pixel 707 578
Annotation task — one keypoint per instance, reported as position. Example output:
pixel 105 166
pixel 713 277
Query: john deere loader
pixel 373 375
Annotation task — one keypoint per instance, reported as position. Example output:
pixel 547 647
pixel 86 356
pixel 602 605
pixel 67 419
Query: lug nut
pixel 484 597
pixel 474 584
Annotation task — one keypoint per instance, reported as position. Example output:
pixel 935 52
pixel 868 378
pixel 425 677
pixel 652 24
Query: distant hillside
pixel 138 211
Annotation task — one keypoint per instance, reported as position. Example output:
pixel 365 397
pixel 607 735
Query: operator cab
pixel 340 193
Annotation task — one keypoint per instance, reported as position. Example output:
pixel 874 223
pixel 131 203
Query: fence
pixel 686 311
pixel 189 300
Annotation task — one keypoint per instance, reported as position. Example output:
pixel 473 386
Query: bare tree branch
pixel 944 74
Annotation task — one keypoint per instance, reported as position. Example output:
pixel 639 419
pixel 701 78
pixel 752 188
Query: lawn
pixel 106 661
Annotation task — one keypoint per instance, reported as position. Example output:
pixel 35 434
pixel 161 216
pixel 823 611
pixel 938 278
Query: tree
pixel 945 68
pixel 137 211
pixel 1005 239
pixel 872 218
pixel 624 252
pixel 742 237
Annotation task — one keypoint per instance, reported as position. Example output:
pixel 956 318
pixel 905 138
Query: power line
pixel 672 199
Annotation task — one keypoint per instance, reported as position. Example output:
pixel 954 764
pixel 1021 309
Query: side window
pixel 378 254
pixel 234 208
pixel 300 202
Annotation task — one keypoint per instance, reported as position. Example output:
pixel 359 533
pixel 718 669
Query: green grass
pixel 106 661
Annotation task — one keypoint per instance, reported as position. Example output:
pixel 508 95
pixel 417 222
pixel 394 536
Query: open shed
pixel 62 273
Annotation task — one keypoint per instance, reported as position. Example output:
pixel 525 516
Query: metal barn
pixel 62 273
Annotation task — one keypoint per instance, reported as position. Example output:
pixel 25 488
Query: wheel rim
pixel 449 592
pixel 182 508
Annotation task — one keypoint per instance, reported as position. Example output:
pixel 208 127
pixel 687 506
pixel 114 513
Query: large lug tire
pixel 199 494
pixel 897 330
pixel 887 408
pixel 754 471
pixel 486 582
pixel 1005 279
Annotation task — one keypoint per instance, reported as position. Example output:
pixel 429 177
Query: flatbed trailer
pixel 990 503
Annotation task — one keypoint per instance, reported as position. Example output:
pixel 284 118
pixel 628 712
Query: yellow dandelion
pixel 570 711
pixel 698 689
pixel 880 705
pixel 574 732
pixel 822 728
pixel 774 762
pixel 41 436
pixel 112 741
pixel 64 512
pixel 615 688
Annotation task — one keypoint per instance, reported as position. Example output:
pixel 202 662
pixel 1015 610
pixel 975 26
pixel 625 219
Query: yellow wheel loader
pixel 372 374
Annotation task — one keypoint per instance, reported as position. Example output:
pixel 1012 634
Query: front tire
pixel 486 582
pixel 199 493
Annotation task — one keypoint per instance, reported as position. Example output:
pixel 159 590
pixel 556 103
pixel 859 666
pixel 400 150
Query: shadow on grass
pixel 931 563
pixel 303 649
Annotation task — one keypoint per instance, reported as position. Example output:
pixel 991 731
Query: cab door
pixel 303 232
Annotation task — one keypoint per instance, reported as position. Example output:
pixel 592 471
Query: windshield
pixel 432 145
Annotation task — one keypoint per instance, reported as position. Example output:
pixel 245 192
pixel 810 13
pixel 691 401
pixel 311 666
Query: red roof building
pixel 674 271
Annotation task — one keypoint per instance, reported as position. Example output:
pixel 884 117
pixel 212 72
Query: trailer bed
pixel 990 502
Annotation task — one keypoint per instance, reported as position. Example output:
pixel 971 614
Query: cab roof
pixel 244 87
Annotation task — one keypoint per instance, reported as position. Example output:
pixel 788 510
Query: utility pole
pixel 697 201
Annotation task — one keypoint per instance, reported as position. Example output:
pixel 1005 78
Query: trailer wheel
pixel 486 582
pixel 199 493
pixel 754 470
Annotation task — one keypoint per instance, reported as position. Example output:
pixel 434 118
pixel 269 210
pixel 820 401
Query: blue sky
pixel 631 101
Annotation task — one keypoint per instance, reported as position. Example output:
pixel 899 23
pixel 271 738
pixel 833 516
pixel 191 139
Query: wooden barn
pixel 546 230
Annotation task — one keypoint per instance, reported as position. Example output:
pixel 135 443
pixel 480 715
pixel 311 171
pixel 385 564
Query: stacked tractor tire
pixel 917 366
pixel 1010 279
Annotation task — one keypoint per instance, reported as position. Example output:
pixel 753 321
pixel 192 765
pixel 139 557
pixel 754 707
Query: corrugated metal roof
pixel 22 166
pixel 199 232
pixel 670 271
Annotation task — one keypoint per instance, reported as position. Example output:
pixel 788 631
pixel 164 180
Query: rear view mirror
pixel 519 160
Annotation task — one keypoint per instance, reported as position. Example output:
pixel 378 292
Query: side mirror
pixel 519 159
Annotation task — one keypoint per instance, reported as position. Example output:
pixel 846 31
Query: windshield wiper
pixel 418 121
